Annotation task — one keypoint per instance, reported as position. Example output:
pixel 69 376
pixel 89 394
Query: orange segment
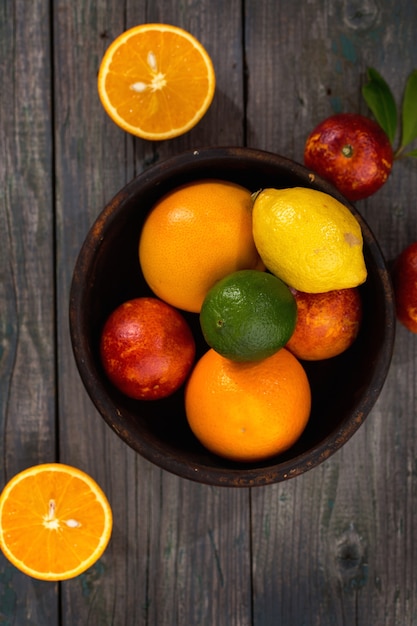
pixel 156 81
pixel 55 521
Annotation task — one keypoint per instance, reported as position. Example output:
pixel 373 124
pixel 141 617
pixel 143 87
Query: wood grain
pixel 335 546
pixel 330 547
pixel 27 327
pixel 180 551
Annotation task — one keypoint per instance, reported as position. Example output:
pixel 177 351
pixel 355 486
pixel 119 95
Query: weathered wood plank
pixel 180 551
pixel 27 370
pixel 336 546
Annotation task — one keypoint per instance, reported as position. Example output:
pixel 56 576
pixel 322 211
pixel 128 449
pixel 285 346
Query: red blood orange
pixel 327 323
pixel 147 348
pixel 405 287
pixel 352 152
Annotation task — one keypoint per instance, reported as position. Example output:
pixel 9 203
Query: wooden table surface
pixel 335 546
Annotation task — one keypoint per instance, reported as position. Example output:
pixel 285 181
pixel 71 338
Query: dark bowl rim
pixel 230 477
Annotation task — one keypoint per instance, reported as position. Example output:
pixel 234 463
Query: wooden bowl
pixel 107 272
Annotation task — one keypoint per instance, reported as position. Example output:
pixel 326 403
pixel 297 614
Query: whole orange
pixel 352 152
pixel 248 411
pixel 194 236
pixel 147 348
pixel 327 323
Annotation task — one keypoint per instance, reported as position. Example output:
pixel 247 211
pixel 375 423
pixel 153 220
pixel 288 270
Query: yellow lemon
pixel 308 239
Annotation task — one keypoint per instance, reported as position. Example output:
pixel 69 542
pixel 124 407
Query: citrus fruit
pixel 327 323
pixel 248 411
pixel 55 521
pixel 404 274
pixel 308 239
pixel 156 81
pixel 147 348
pixel 194 236
pixel 248 315
pixel 352 152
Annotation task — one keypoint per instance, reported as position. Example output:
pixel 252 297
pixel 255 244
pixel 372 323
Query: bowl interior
pixel 107 272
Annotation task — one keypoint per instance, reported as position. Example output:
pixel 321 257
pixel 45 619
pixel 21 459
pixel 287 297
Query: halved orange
pixel 55 521
pixel 156 81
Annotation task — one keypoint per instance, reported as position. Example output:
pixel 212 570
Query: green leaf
pixel 409 110
pixel 413 153
pixel 378 96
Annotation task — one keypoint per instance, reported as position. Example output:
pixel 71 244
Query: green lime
pixel 248 315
